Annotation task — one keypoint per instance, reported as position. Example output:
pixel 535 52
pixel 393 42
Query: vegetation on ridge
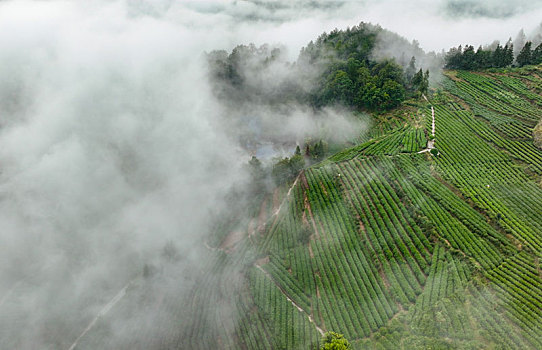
pixel 408 239
pixel 339 67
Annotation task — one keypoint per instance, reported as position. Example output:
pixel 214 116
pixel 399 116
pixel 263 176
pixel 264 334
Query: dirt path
pixel 311 320
pixel 277 211
pixel 433 116
pixel 430 143
pixel 262 217
pixel 102 312
pixel 287 196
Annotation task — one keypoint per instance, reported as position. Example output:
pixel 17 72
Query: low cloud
pixel 112 142
pixel 488 8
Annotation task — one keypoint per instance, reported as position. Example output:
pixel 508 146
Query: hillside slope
pixel 398 249
pixel 392 246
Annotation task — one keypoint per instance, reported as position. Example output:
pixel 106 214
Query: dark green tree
pixel 286 169
pixel 339 89
pixel 410 70
pixel 417 80
pixel 536 57
pixel 468 59
pixel 508 54
pixel 482 58
pixel 385 70
pixel 281 171
pixel 454 57
pixel 352 67
pixel 524 56
pixel 334 341
pixel 363 82
pixel 319 150
pixel 421 81
pixel 425 82
pixel 297 163
pixel 371 96
pixel 392 93
pixel 497 58
pixel 363 76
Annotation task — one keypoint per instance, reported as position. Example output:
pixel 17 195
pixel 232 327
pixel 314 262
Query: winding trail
pixel 102 312
pixel 299 308
pixel 287 195
pixel 276 212
pixel 250 232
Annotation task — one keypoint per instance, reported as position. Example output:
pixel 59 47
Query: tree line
pixel 528 56
pixel 467 58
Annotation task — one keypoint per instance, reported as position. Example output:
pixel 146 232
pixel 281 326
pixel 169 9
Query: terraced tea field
pixel 394 247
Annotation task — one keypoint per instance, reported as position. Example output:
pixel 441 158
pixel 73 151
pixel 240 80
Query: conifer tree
pixel 497 56
pixel 508 54
pixel 410 70
pixel 536 57
pixel 524 56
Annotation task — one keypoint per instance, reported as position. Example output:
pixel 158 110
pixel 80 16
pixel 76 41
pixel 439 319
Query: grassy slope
pixel 413 251
pixel 393 248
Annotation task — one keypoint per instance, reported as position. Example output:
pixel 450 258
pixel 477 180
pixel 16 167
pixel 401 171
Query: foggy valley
pixel 188 174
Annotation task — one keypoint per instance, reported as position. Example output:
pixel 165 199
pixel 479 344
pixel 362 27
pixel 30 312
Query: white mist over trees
pixel 114 149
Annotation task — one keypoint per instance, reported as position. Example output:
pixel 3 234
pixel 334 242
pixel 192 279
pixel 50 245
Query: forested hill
pixel 342 67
